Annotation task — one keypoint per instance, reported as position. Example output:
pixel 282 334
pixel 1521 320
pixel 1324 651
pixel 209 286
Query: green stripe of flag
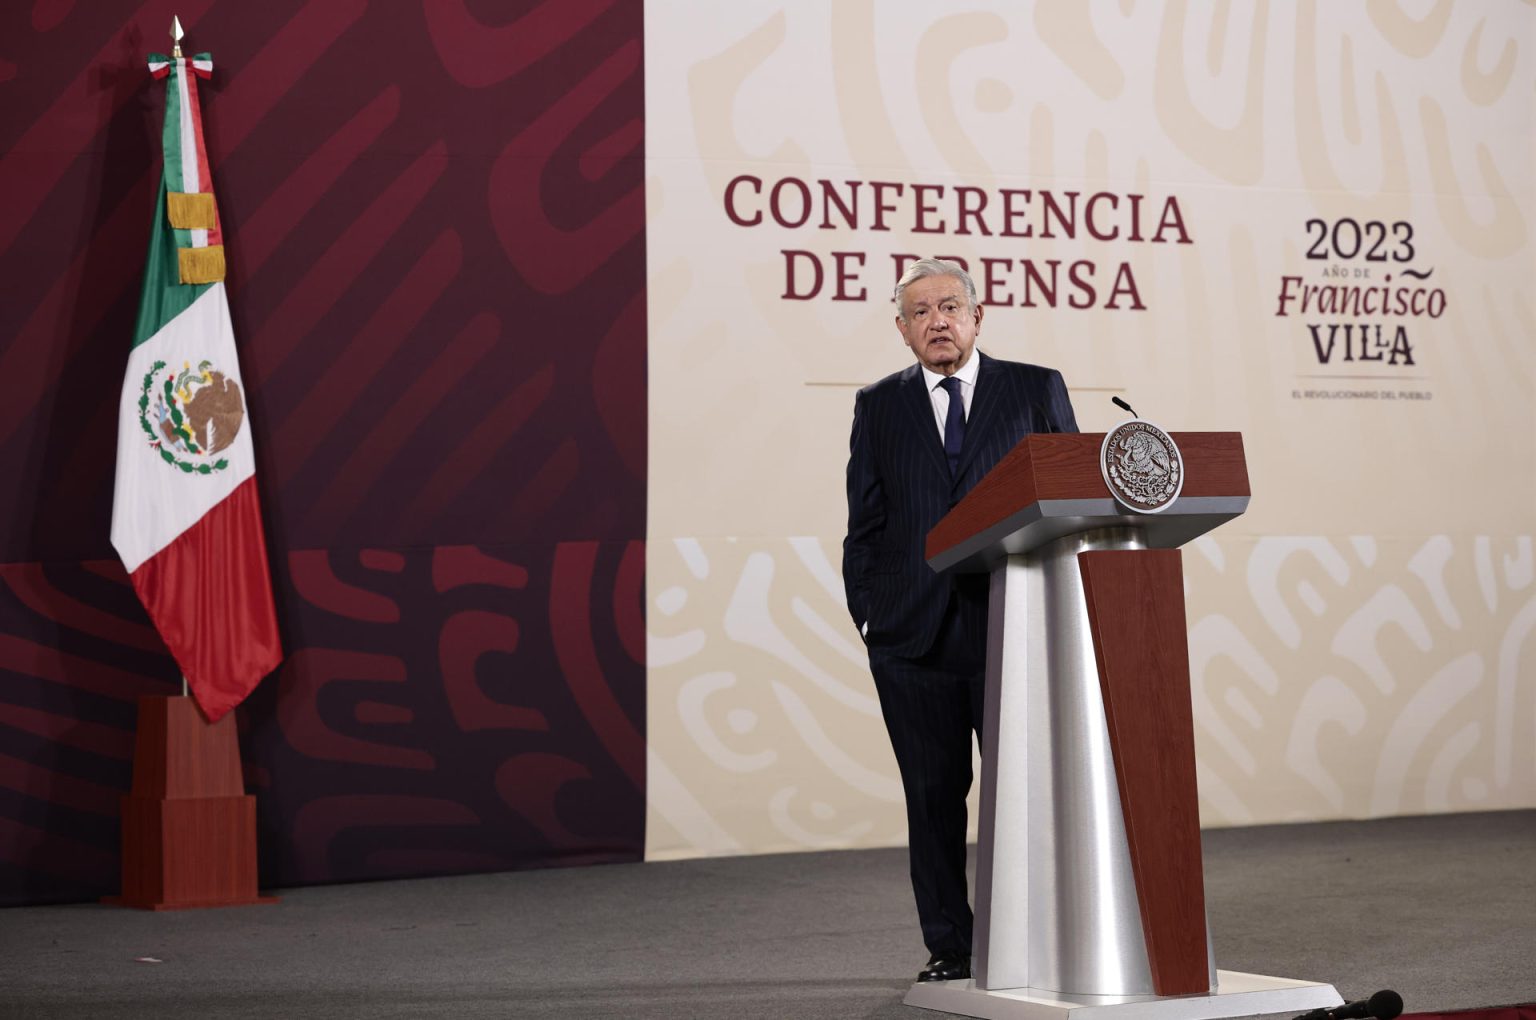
pixel 164 296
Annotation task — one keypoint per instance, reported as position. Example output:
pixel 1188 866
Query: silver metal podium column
pixel 1056 904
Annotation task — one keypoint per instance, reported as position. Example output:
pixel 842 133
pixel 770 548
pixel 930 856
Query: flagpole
pixel 176 36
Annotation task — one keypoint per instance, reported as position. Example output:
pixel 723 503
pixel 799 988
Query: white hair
pixel 932 267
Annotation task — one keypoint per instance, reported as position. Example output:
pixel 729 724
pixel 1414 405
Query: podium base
pixel 189 827
pixel 189 853
pixel 1236 994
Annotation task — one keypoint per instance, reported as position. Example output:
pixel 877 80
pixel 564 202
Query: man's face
pixel 938 322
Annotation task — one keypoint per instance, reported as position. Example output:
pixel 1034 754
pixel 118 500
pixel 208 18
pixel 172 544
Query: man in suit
pixel 921 439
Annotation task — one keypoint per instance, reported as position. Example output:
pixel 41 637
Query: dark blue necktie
pixel 954 422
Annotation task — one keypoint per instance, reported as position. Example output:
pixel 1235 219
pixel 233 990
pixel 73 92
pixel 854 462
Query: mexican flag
pixel 186 519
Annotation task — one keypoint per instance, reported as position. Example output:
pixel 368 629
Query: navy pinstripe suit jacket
pixel 899 486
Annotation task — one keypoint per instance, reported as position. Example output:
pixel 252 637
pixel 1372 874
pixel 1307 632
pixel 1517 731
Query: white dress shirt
pixel 939 396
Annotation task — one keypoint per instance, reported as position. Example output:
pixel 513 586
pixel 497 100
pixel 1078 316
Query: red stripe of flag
pixel 208 594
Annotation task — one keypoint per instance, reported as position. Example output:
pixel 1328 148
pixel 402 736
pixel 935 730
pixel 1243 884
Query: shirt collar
pixel 966 375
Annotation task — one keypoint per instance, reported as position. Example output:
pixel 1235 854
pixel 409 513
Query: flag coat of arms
pixel 186 518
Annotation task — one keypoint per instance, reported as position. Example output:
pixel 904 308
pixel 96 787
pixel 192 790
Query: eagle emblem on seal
pixel 1142 466
pixel 191 416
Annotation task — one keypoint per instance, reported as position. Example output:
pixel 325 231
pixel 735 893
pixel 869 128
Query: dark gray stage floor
pixel 1442 909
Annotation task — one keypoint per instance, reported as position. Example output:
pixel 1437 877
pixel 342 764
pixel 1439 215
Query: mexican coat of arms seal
pixel 1142 466
pixel 191 416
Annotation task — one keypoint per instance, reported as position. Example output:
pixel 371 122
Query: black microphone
pixel 1384 1005
pixel 1122 404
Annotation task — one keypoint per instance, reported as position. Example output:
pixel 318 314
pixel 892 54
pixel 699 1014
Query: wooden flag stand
pixel 189 827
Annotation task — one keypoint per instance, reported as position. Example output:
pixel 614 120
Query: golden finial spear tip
pixel 176 36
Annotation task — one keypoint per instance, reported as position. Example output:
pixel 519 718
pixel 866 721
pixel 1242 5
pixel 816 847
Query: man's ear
pixel 980 310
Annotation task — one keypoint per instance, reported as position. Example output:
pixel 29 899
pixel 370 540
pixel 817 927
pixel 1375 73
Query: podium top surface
pixel 1051 485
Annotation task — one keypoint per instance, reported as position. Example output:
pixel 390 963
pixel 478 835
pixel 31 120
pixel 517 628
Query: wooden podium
pixel 189 828
pixel 1089 890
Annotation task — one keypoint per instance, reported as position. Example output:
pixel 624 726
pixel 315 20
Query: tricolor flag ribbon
pixel 188 186
pixel 186 518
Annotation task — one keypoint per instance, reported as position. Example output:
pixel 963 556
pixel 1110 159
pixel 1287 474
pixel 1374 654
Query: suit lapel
pixel 984 410
pixel 921 405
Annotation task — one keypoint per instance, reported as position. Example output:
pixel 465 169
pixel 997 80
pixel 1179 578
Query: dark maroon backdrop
pixel 435 225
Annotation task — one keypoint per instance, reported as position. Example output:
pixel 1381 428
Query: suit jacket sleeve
pixel 866 514
pixel 1058 406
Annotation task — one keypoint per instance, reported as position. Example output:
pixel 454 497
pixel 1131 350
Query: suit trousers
pixel 931 706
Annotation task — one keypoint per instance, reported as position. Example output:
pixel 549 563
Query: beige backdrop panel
pixel 1382 664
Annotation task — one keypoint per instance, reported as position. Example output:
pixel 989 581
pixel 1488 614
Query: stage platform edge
pixel 1236 995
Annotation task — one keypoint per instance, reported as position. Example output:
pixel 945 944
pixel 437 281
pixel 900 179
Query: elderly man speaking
pixel 921 439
